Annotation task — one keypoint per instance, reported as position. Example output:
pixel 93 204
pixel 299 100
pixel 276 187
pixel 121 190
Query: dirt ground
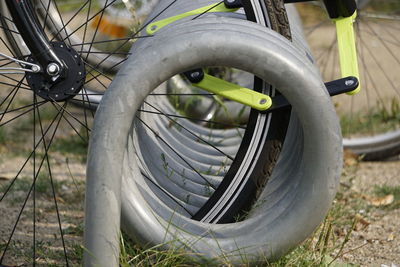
pixel 375 240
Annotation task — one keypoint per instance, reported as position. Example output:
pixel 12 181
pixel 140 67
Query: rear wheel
pixel 370 120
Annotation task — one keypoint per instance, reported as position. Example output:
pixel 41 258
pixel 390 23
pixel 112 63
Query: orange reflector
pixel 109 28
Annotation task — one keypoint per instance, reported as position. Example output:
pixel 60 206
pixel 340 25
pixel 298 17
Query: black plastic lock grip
pixel 340 8
pixel 233 3
pixel 194 76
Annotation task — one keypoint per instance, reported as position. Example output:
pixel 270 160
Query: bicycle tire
pixel 369 119
pixel 148 215
pixel 273 16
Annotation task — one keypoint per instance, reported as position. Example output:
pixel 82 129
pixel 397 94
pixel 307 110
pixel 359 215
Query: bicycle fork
pixel 52 67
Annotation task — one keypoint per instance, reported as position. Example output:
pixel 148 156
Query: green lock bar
pixel 155 26
pixel 347 48
pixel 343 13
pixel 235 92
pixel 210 83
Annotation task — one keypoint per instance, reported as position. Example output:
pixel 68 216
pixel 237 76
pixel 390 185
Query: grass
pixel 43 187
pixel 325 247
pixel 73 145
pixel 17 136
pixel 75 230
pixel 133 255
pixel 393 7
pixel 3 136
pixel 381 119
pixel 74 190
pixel 322 249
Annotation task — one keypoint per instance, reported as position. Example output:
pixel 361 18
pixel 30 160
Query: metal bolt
pixel 35 68
pixel 72 89
pixel 56 96
pixel 80 73
pixel 349 82
pixel 231 1
pixel 195 75
pixel 53 69
pixel 263 101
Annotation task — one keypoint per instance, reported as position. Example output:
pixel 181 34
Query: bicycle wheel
pixel 168 173
pixel 44 144
pixel 35 191
pixel 370 120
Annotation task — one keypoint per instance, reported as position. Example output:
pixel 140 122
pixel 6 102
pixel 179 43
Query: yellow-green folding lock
pixel 347 48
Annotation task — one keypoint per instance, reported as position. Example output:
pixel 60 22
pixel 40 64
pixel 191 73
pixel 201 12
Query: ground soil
pixel 375 240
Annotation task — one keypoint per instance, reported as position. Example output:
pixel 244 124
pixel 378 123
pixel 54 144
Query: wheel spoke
pixel 46 16
pixel 63 28
pixel 72 126
pixel 206 11
pixel 380 67
pixel 30 190
pixel 85 29
pixel 9 103
pixel 169 195
pixel 87 21
pixel 23 107
pixel 109 69
pixel 96 30
pixel 194 119
pixel 135 34
pixel 34 182
pixel 52 182
pixel 189 131
pixel 55 103
pixel 29 156
pixel 176 152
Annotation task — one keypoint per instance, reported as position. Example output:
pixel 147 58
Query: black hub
pixel 60 88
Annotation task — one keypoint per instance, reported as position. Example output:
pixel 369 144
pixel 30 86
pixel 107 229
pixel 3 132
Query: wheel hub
pixel 63 88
